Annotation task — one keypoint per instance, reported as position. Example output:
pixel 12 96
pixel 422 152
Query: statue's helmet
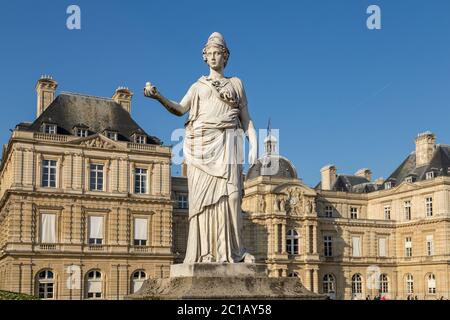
pixel 216 39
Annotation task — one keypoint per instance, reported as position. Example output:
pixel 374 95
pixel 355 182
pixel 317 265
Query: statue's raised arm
pixel 177 109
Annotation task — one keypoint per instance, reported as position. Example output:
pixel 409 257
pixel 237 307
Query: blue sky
pixel 338 92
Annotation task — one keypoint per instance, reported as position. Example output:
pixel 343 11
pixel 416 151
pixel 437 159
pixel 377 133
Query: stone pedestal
pixel 223 281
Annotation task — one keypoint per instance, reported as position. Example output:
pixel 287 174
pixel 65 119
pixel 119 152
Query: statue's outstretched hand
pixel 150 91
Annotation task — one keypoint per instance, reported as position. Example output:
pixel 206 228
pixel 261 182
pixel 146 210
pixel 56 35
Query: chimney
pixel 328 174
pixel 425 146
pixel 123 97
pixel 379 181
pixel 184 169
pixel 364 173
pixel 45 89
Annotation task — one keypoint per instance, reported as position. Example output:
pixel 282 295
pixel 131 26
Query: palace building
pixel 89 210
pixel 85 208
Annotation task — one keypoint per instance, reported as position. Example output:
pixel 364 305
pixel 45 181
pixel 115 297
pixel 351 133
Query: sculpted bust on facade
pixel 218 116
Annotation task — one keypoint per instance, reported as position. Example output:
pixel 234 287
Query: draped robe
pixel 213 151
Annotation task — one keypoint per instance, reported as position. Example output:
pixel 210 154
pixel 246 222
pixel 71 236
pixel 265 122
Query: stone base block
pixel 223 281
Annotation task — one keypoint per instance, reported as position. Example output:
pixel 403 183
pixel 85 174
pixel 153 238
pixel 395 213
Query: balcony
pixel 96 247
pixel 47 247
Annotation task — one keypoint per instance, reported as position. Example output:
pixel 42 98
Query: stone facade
pixel 119 264
pixel 348 237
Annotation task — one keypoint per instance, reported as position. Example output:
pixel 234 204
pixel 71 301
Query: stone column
pixel 276 237
pixel 316 281
pixel 314 239
pixel 283 238
pixel 307 278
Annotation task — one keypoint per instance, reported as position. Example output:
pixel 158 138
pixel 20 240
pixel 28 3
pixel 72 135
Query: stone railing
pixel 47 247
pixel 140 249
pixel 142 147
pixel 50 137
pixel 96 247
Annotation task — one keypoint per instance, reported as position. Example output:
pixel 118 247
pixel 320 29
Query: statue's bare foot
pixel 248 258
pixel 209 258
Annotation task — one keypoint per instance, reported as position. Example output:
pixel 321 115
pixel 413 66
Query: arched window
pixel 356 285
pixel 137 280
pixel 329 284
pixel 431 283
pixel 293 274
pixel 94 284
pixel 409 284
pixel 384 283
pixel 292 242
pixel 45 284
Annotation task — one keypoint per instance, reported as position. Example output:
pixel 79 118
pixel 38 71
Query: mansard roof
pixel 69 110
pixel 351 183
pixel 439 164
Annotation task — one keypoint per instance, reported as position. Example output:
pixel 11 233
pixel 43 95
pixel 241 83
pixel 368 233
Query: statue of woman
pixel 218 114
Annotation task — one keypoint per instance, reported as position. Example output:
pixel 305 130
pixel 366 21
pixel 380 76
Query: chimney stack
pixel 328 174
pixel 425 146
pixel 184 169
pixel 364 173
pixel 123 97
pixel 45 88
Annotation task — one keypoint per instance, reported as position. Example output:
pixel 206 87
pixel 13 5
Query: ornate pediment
pixel 405 187
pixel 98 141
pixel 295 199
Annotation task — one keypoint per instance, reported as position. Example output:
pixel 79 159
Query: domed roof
pixel 264 165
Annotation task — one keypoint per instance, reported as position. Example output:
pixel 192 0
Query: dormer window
pixel 388 185
pixel 49 128
pixel 111 135
pixel 81 132
pixel 410 179
pixel 141 139
pixel 429 175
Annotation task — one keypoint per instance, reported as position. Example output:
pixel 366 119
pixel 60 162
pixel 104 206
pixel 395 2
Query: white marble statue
pixel 218 112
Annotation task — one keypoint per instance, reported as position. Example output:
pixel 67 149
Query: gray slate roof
pixel 351 183
pixel 98 114
pixel 439 164
pixel 285 168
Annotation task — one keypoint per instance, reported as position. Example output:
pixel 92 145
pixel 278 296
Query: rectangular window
pixel 430 246
pixel 141 139
pixel 111 135
pixel 407 207
pixel 408 247
pixel 429 175
pixel 49 173
pixel 328 211
pixel 356 246
pixel 182 201
pixel 429 206
pixel 49 128
pixel 95 230
pixel 409 179
pixel 140 181
pixel 140 231
pixel 353 213
pixel 382 247
pixel 48 228
pixel 96 177
pixel 387 213
pixel 82 133
pixel 327 246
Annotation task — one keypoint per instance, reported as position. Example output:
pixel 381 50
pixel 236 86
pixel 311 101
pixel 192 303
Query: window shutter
pixel 382 247
pixel 96 227
pixel 356 245
pixel 140 229
pixel 48 228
